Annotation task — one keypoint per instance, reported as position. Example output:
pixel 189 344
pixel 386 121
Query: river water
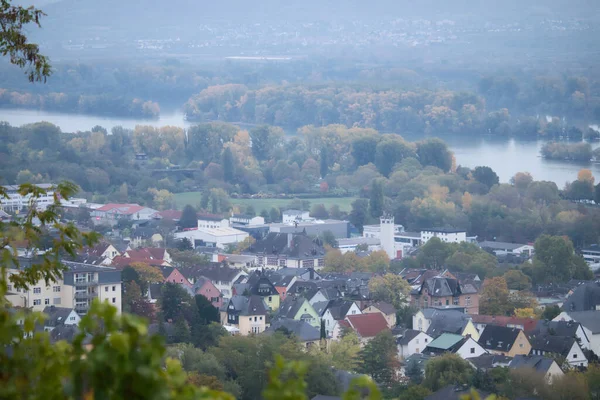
pixel 505 156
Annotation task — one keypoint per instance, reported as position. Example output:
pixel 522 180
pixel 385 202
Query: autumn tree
pixel 147 275
pixel 377 261
pixel 486 176
pixel 517 280
pixel 445 370
pixel 344 353
pixel 434 253
pixel 379 360
pixel 494 298
pixel 390 288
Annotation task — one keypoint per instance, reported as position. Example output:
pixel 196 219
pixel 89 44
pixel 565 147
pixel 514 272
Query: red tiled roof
pixel 171 215
pixel 121 208
pixel 528 324
pixel 367 325
pixel 121 262
pixel 147 252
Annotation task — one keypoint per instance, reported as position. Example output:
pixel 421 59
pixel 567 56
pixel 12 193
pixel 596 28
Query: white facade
pixel 415 345
pixel 420 323
pixel 331 324
pixel 575 357
pixel 447 236
pixel 470 349
pixel 16 202
pixel 212 224
pixel 386 236
pixel 593 336
pixel 291 216
pixel 350 244
pixel 214 237
pixel 72 319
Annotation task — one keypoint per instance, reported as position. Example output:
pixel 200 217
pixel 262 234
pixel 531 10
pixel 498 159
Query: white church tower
pixel 386 235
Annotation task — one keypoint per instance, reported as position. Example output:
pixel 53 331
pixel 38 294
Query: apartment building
pixel 80 285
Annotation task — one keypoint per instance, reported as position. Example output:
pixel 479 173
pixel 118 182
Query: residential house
pixel 223 277
pixel 100 254
pixel 111 213
pixel 145 235
pixel 446 235
pixel 435 322
pixel 562 328
pixel 455 392
pixel 278 250
pixel 79 286
pixel 172 275
pixel 563 345
pixel 465 346
pixel 543 365
pixel 366 326
pixel 155 254
pixel 416 276
pixel 60 316
pixel 505 341
pixel 169 215
pixel 239 261
pixel 282 283
pixel 585 297
pixel 525 324
pixel 386 309
pixel 206 288
pixel 247 313
pixel 306 333
pixel 418 359
pixel 337 310
pixel 299 309
pixel 589 320
pixel 411 342
pixel 489 361
pixel 259 284
pixel 441 291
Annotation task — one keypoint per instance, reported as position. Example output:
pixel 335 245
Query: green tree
pixel 376 199
pixel 274 215
pixel 415 392
pixel 494 298
pixel 323 163
pixel 517 280
pixel 344 353
pixel 359 213
pixel 414 372
pixel 390 288
pixel 551 312
pixel 173 300
pixel 265 140
pixel 189 218
pixel 390 151
pixel 14 42
pixel 181 331
pixel 207 313
pixel 555 260
pixel 363 150
pixel 228 163
pixel 379 360
pixel 434 253
pixel 328 238
pixel 486 176
pixel 434 152
pixel 445 370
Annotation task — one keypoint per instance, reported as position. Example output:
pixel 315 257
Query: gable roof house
pixel 290 250
pixel 112 212
pixel 223 277
pixel 172 275
pixel 465 346
pixel 590 321
pixel 489 361
pixel 526 324
pixel 60 316
pixel 435 322
pixel 298 308
pixel 586 297
pixel 563 345
pixel 259 284
pixel 101 254
pixel 505 341
pixel 366 326
pixel 337 310
pixel 544 365
pixel 282 283
pixel 206 288
pixel 411 342
pixel 386 309
pixel 247 313
pixel 442 291
pixel 145 234
pixel 562 328
pixel 306 333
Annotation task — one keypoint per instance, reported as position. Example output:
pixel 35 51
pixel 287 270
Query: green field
pixel 193 198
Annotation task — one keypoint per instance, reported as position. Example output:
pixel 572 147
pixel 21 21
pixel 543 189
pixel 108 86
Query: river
pixel 505 156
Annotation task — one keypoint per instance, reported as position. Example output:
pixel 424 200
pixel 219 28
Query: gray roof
pixel 441 287
pixel 589 319
pixel 290 307
pixel 212 271
pixel 499 338
pixel 450 321
pixel 558 328
pixel 539 363
pixel 63 332
pixel 247 305
pixel 500 245
pixel 320 307
pixel 419 358
pixel 586 297
pixel 455 392
pixel 355 241
pixel 281 280
pixel 301 329
pixel 301 246
pixel 339 308
pixel 487 361
pixel 552 344
pixel 444 230
pixel 384 307
pixel 56 315
pixel 407 336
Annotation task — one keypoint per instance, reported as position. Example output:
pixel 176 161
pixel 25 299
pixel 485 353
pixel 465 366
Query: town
pixel 327 286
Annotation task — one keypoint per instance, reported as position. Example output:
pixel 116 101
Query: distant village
pixel 280 281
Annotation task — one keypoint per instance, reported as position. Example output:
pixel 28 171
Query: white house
pixel 211 222
pixel 589 320
pixel 213 237
pixel 291 216
pixel 563 345
pixel 412 342
pixel 465 346
pixel 447 235
pixel 111 213
pixel 338 310
pixel 17 202
pixel 247 220
pixel 58 316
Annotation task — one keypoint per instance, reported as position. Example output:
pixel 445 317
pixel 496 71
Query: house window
pixel 574 355
pixel 71 318
pixel 270 299
pixel 9 287
pixel 417 341
pixel 455 301
pixel 37 290
pixel 56 300
pixel 47 301
pixel 114 300
pixel 472 350
pixel 426 340
pixel 255 319
pixel 447 302
pixel 56 289
pixel 114 288
pixel 106 288
pixel 37 302
pixel 261 318
pixel 468 302
pixel 521 345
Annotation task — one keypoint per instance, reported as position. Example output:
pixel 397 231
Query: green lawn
pixel 193 198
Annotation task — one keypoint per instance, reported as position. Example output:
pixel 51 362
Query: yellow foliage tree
pixel 467 201
pixel 585 175
pixel 524 313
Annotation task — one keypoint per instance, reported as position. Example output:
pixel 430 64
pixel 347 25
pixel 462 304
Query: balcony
pixel 85 295
pixel 82 308
pixel 86 283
